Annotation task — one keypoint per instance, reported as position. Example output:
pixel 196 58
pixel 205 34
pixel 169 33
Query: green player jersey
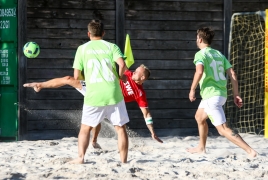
pixel 97 59
pixel 213 81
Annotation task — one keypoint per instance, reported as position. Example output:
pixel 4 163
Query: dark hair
pixel 206 34
pixel 96 28
pixel 147 71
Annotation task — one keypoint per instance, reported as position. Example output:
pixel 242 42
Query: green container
pixel 8 70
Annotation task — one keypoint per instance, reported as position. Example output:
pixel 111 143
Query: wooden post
pixel 227 25
pixel 22 68
pixel 120 24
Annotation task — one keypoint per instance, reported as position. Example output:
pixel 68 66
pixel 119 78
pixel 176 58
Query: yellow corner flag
pixel 128 52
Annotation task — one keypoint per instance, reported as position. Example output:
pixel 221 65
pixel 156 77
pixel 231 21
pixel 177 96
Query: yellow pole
pixel 266 78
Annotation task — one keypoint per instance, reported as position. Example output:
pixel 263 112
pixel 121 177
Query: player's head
pixel 141 74
pixel 96 28
pixel 204 35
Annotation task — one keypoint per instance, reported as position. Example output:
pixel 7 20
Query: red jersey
pixel 133 91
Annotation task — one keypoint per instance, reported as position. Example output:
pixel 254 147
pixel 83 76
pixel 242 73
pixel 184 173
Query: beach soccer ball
pixel 31 49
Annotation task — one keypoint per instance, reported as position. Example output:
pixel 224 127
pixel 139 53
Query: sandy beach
pixel 147 159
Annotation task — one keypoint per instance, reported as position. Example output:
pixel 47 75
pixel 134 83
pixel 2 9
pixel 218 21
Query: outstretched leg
pixel 235 138
pixel 55 83
pixel 35 85
pixel 201 117
pixel 83 141
pixel 122 142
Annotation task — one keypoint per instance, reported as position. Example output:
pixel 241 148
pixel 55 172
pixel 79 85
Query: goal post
pixel 247 54
pixel 266 79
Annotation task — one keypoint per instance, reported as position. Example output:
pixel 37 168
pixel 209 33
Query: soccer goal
pixel 247 55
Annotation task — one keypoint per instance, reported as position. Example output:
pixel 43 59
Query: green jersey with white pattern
pixel 213 81
pixel 97 58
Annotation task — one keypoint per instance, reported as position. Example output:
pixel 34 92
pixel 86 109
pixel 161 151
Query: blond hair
pixel 147 71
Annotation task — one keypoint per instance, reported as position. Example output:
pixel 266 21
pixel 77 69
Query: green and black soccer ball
pixel 31 49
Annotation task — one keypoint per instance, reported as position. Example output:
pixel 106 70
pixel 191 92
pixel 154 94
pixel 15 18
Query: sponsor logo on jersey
pixel 128 88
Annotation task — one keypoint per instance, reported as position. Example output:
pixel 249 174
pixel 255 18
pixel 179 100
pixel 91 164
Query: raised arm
pixel 149 122
pixel 77 74
pixel 122 68
pixel 237 99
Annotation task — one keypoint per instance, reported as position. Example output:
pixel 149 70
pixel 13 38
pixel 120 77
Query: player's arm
pixel 77 73
pixel 149 122
pixel 122 68
pixel 199 69
pixel 237 98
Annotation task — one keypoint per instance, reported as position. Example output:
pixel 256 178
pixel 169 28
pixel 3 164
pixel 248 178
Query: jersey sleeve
pixel 227 64
pixel 142 101
pixel 198 59
pixel 117 53
pixel 128 73
pixel 78 61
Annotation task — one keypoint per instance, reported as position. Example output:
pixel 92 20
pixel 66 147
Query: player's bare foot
pixel 252 153
pixel 35 86
pixel 197 150
pixel 96 145
pixel 77 161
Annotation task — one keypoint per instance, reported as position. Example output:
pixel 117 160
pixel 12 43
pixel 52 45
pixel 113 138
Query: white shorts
pixel 214 110
pixel 84 88
pixel 116 114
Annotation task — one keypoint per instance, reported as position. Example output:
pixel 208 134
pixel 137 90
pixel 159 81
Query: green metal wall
pixel 8 70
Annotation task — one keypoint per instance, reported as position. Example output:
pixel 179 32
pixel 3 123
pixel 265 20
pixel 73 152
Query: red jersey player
pixel 132 90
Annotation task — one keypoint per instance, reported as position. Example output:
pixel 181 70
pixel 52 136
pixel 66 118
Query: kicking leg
pixel 55 83
pixel 122 142
pixel 235 138
pixel 83 141
pixel 201 117
pixel 35 85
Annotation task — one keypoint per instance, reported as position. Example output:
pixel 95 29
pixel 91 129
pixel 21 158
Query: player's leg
pixel 122 142
pixel 201 119
pixel 218 119
pixel 37 86
pixel 207 108
pixel 55 83
pixel 83 141
pixel 235 138
pixel 95 133
pixel 118 116
pixel 91 117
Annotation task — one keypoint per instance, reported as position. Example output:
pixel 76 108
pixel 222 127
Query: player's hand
pixel 156 138
pixel 238 101
pixel 192 95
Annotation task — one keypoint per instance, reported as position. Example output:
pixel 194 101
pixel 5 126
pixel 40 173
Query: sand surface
pixel 147 159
